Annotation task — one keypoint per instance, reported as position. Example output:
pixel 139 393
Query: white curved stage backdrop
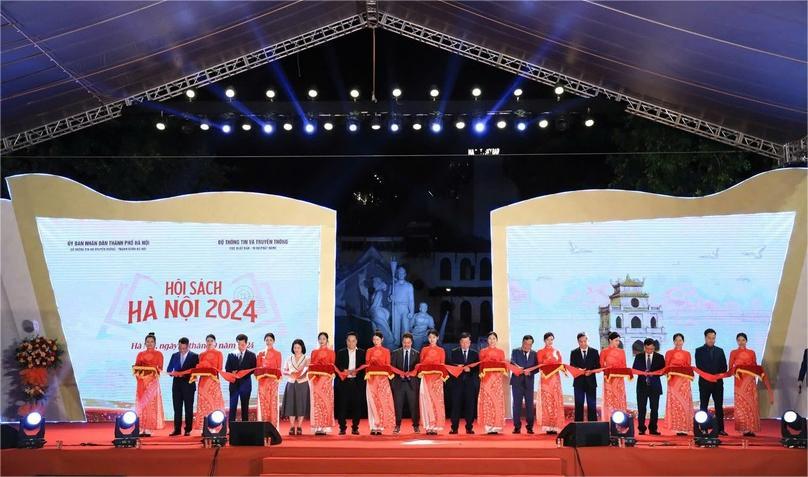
pixel 106 272
pixel 116 280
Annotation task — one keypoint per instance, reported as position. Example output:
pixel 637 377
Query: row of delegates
pixel 551 412
pixel 423 394
pixel 679 407
pixel 310 389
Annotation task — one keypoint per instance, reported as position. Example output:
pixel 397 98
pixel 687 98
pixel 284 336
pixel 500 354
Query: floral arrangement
pixel 35 356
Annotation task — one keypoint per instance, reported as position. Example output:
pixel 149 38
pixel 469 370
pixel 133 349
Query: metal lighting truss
pixel 543 75
pixel 175 88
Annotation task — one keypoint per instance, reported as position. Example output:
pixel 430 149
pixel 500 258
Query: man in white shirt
pixel 350 392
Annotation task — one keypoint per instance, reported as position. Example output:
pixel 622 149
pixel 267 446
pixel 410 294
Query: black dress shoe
pixel 469 431
pixel 516 430
pixel 416 429
pixel 397 430
pixel 723 433
pixel 355 432
pixel 749 434
pixel 342 432
pixel 292 431
pixel 530 431
pixel 175 433
pixel 642 432
pixel 145 434
pixel 453 431
pixel 552 433
pixel 681 433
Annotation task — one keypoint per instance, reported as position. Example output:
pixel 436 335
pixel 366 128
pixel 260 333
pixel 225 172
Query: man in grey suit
pixel 522 386
pixel 405 389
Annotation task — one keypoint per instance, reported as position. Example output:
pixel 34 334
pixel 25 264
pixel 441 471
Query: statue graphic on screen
pixel 403 304
pixel 422 322
pixel 379 314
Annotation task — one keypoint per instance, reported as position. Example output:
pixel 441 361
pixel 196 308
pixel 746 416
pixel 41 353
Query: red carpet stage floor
pixel 406 454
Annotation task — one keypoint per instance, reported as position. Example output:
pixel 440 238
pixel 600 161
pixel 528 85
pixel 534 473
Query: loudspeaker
pixel 585 434
pixel 8 436
pixel 253 433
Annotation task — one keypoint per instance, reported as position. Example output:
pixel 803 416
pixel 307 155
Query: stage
pixel 87 450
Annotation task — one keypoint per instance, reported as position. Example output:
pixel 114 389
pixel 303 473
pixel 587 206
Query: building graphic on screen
pixel 630 314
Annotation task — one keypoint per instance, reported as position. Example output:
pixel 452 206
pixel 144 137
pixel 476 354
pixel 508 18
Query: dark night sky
pixel 423 177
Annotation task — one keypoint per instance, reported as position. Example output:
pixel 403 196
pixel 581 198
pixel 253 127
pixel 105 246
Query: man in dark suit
pixel 242 387
pixel 586 386
pixel 466 386
pixel 405 389
pixel 182 389
pixel 522 386
pixel 649 388
pixel 350 392
pixel 711 359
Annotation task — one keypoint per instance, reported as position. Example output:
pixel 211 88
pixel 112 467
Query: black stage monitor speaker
pixel 8 436
pixel 253 433
pixel 585 434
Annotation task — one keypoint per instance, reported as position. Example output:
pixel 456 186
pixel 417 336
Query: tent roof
pixel 738 64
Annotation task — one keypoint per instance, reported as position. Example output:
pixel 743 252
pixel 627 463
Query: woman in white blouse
pixel 296 395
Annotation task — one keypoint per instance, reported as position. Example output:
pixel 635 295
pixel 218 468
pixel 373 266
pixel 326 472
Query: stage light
pixel 417 125
pixel 396 93
pixel 246 126
pixel 268 128
pixel 31 434
pixel 621 429
pixel 312 93
pixel 287 126
pixel 353 124
pixel 191 94
pixel 226 128
pixel 230 93
pixel 543 123
pixel 589 122
pixel 434 93
pixel 793 430
pixel 395 124
pixel 705 432
pixel 479 126
pixel 476 92
pixel 161 126
pixel 436 125
pixel 328 125
pixel 127 430
pixel 270 94
pixel 558 90
pixel 215 429
pixel 376 122
pixel 521 125
pixel 354 94
pixel 460 123
pixel 309 128
pixel 502 124
pixel 517 92
pixel 204 126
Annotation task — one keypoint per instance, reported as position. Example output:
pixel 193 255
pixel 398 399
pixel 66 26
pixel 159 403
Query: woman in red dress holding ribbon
pixel 614 387
pixel 552 398
pixel 430 393
pixel 381 413
pixel 148 398
pixel 321 386
pixel 209 390
pixel 271 361
pixel 493 373
pixel 747 413
pixel 679 403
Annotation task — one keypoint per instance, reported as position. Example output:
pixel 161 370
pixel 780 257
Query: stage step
pixel 473 465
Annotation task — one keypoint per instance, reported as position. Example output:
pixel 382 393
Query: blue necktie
pixel 182 359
